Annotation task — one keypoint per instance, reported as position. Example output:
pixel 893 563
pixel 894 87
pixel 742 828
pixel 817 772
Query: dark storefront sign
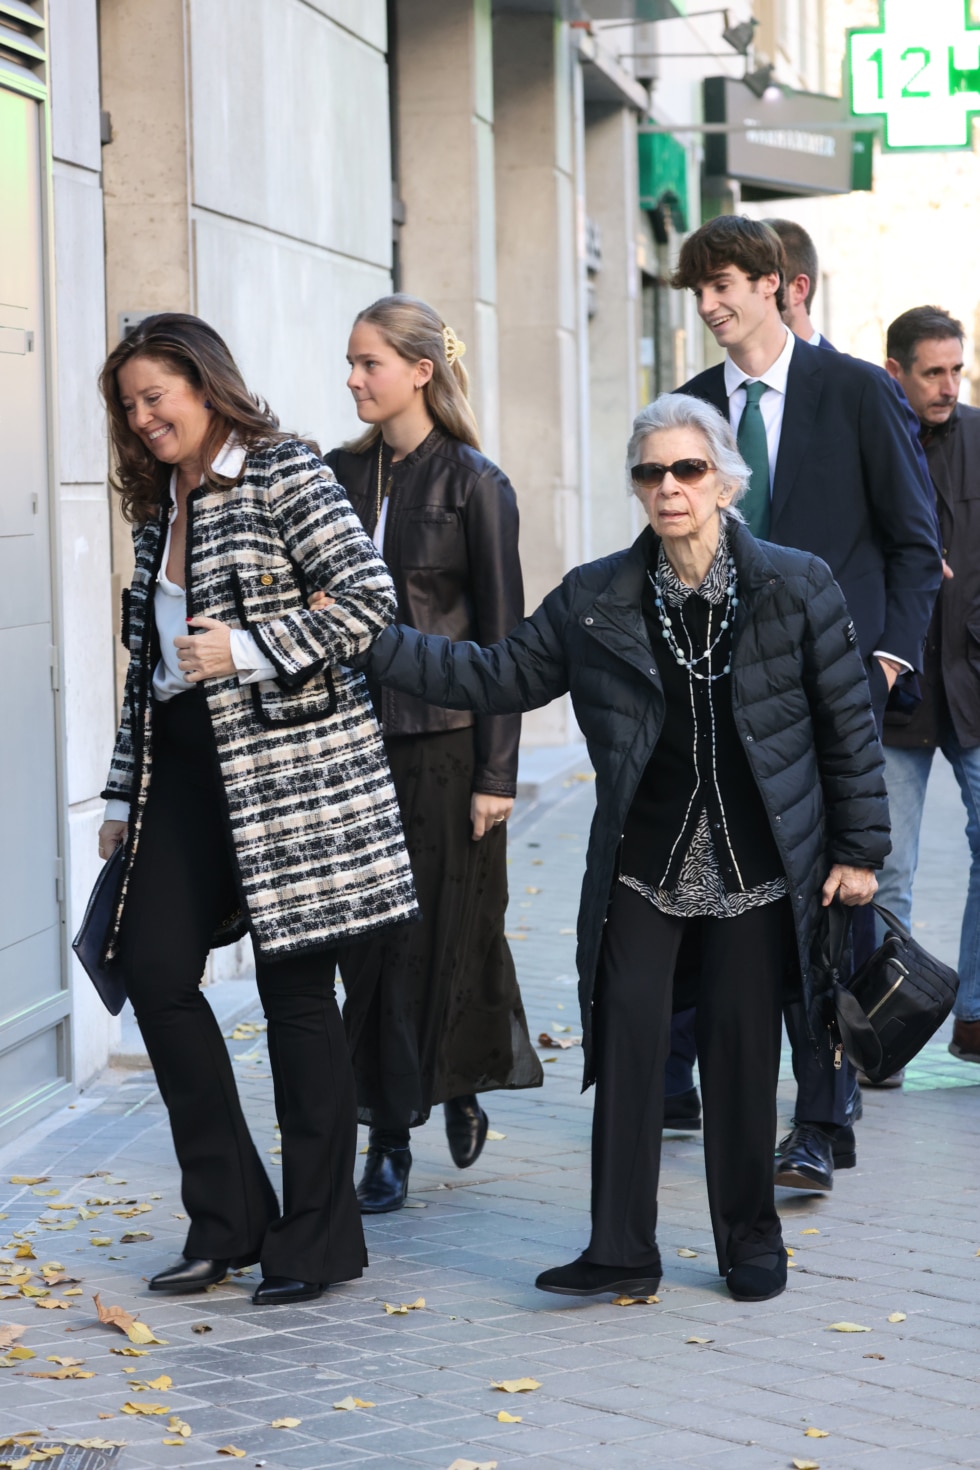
pixel 778 147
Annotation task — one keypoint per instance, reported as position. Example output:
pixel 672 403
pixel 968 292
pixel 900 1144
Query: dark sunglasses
pixel 685 471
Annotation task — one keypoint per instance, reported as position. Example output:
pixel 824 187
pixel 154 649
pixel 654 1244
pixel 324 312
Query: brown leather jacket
pixel 451 547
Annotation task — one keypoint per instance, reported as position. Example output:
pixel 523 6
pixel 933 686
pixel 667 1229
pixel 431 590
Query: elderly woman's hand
pixel 853 886
pixel 205 655
pixel 110 836
pixel 319 601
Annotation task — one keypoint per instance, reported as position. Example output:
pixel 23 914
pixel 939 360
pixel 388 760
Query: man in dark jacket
pixel 834 473
pixel 925 355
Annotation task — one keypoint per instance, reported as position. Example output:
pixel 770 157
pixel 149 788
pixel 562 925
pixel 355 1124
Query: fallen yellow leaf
pixel 129 1352
pixel 473 1465
pixel 34 1291
pixel 635 1301
pixel 405 1307
pixel 806 1465
pixel 811 1231
pixel 897 1317
pixel 229 1449
pixel 100 1240
pixel 29 1178
pixel 64 1373
pixel 352 1403
pixel 73 1291
pixel 880 1356
pixel 504 1418
pixel 137 1332
pixel 177 1442
pixel 132 1236
pixel 10 1333
pixel 515 1385
pixel 19 1355
pixel 494 1137
pixel 688 1255
pixel 24 1252
pixel 813 1433
pixel 177 1425
pixel 700 1340
pixel 54 1306
pixel 67 1362
pixel 846 1327
pixel 132 1408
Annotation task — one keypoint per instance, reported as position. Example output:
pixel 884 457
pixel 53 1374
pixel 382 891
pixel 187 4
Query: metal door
pixel 33 998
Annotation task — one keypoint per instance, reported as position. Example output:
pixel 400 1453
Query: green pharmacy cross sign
pixel 920 70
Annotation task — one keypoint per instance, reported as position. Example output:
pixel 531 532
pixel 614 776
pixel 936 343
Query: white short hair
pixel 680 411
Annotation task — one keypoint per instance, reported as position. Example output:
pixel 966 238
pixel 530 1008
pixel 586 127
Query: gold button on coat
pixel 266 579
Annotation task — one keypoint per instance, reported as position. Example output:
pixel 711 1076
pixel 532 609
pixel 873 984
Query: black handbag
pixel 90 942
pixel 887 1009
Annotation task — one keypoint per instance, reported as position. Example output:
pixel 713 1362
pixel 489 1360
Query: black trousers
pixel 181 889
pixel 742 968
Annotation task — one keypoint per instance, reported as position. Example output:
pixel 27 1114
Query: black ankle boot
pixel 466 1129
pixel 384 1183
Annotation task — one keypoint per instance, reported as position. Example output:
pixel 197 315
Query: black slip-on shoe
pixel 805 1159
pixel 682 1112
pixel 758 1279
pixel 279 1291
pixel 466 1130
pixel 189 1274
pixel 384 1183
pixel 584 1278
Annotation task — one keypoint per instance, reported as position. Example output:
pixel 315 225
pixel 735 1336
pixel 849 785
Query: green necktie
pixel 754 449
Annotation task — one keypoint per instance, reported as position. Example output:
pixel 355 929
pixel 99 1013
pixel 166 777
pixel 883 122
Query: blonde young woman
pixel 433 1010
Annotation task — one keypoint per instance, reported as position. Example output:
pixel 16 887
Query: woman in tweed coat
pixel 250 787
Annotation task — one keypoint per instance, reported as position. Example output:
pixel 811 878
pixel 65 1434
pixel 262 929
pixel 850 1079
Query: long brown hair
pixel 188 346
pixel 414 330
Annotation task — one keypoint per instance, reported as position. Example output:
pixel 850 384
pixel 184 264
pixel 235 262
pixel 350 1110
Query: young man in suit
pixel 834 473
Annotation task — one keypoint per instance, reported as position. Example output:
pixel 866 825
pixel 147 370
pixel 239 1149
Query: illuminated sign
pixel 920 71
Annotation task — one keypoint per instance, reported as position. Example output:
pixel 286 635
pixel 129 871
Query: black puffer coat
pixel 799 695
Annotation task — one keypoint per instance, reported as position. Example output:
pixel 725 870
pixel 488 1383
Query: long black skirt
pixel 433 1009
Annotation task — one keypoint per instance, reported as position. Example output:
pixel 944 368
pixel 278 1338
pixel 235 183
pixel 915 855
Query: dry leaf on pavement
pixel 558 1043
pixel 286 1423
pixel 63 1373
pixel 688 1255
pixel 880 1356
pixel 230 1449
pixel 494 1137
pixel 897 1317
pixel 701 1341
pixel 202 1327
pixel 132 1236
pixel 814 1433
pixel 131 1408
pixel 473 1465
pixel 66 1362
pixel 176 1425
pixel 811 1231
pixel 504 1418
pixel 352 1403
pixel 405 1307
pixel 137 1332
pixel 806 1465
pixel 9 1334
pixel 635 1301
pixel 29 1178
pixel 54 1306
pixel 847 1327
pixel 129 1352
pixel 515 1385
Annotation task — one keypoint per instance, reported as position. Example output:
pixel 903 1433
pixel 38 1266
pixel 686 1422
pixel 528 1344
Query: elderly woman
pixel 250 788
pixel 738 787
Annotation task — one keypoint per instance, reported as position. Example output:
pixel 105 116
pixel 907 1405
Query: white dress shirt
pixel 771 406
pixel 170 613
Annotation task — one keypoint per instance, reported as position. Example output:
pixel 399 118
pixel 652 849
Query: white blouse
pixel 170 612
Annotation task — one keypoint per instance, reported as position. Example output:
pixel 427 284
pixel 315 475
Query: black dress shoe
pixel 190 1274
pixel 279 1291
pixel 584 1278
pixel 683 1111
pixel 384 1183
pixel 758 1279
pixel 805 1159
pixel 466 1130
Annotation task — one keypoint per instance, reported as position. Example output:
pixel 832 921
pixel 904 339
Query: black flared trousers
pixel 182 889
pixel 742 968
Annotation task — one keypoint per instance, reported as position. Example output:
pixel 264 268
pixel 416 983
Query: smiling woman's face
pixel 679 512
pixel 164 410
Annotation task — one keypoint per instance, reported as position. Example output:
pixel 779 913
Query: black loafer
pixel 384 1183
pixel 758 1279
pixel 466 1130
pixel 279 1291
pixel 805 1159
pixel 682 1112
pixel 584 1278
pixel 190 1274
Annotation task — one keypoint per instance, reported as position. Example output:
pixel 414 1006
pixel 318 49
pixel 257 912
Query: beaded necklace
pixel 689 662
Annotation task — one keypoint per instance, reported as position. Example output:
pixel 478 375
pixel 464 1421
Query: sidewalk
pixel 696 1380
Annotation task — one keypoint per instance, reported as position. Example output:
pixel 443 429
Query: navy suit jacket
pixel 911 418
pixel 848 489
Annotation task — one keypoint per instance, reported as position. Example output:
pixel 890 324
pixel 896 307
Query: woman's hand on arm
pixel 853 886
pixel 319 601
pixel 206 655
pixel 487 812
pixel 110 836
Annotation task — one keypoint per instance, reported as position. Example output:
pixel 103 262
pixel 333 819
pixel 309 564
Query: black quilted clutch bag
pixel 89 943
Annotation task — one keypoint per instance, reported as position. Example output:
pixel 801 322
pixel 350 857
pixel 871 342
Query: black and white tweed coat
pixel 312 812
